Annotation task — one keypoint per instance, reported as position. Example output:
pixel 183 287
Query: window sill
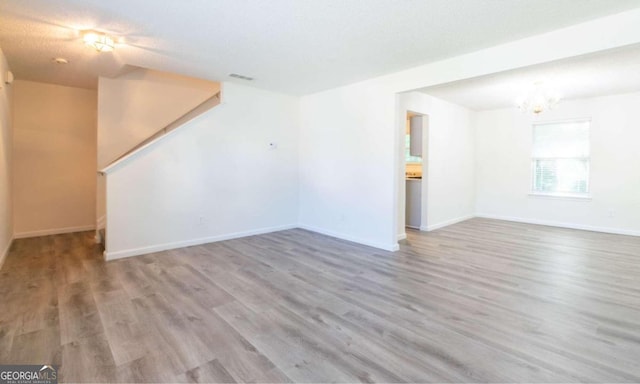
pixel 560 196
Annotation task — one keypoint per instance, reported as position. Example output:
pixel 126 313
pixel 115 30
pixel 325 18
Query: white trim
pixel 560 196
pixel 98 237
pixel 101 222
pixel 616 231
pixel 118 163
pixel 446 223
pixel 563 121
pixel 402 236
pixel 387 247
pixel 53 231
pixel 4 253
pixel 187 243
pixel 169 130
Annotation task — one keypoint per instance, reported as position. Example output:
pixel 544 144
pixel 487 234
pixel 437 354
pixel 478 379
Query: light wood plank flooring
pixel 479 301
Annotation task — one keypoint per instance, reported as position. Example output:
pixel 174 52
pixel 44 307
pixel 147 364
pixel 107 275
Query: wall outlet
pixel 201 220
pixel 610 213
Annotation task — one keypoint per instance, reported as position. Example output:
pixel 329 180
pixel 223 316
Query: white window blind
pixel 561 157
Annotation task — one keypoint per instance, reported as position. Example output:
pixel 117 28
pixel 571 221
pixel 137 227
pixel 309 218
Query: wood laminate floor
pixel 479 301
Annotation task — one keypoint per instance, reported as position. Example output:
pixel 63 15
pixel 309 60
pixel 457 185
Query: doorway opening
pixel 414 175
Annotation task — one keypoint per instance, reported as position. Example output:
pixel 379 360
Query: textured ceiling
pixel 603 73
pixel 291 46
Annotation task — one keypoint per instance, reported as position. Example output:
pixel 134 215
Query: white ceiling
pixel 603 73
pixel 291 46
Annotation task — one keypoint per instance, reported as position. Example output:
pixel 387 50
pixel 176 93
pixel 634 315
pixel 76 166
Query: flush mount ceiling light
pixel 99 41
pixel 538 99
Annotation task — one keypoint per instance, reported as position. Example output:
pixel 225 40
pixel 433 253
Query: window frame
pixel 568 195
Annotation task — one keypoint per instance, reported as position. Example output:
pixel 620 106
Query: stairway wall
pixel 135 105
pixel 215 178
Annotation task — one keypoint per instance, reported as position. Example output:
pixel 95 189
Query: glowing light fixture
pixel 100 41
pixel 538 99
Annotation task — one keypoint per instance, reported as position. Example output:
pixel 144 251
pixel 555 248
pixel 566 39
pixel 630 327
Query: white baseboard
pixel 447 223
pixel 113 255
pixel 387 247
pixel 53 231
pixel 101 222
pixel 616 231
pixel 98 237
pixel 5 252
pixel 402 236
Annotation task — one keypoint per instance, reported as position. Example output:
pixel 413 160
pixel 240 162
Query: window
pixel 560 160
pixel 407 151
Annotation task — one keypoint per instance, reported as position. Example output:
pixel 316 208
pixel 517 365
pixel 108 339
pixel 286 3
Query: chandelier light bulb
pixel 99 41
pixel 538 99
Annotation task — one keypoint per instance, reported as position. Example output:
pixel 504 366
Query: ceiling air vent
pixel 241 77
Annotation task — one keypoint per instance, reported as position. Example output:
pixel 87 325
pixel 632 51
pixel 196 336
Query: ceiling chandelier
pixel 98 40
pixel 538 99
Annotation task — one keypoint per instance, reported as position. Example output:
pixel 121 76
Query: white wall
pixel 350 172
pixel 136 105
pixel 6 141
pixel 54 158
pixel 503 158
pixel 448 183
pixel 347 164
pixel 218 168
